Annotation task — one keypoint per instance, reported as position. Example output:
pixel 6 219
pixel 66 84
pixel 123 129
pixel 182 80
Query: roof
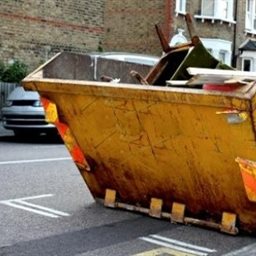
pixel 248 45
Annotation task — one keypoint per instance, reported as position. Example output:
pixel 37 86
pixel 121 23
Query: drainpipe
pixel 234 57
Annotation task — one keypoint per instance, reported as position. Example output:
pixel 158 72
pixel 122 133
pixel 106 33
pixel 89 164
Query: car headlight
pixel 37 103
pixel 8 103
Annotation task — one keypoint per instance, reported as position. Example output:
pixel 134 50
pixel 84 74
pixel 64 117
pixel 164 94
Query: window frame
pixel 203 8
pixel 217 46
pixel 181 6
pixel 217 12
pixel 251 63
pixel 250 16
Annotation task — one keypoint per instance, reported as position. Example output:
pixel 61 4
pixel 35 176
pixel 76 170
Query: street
pixel 46 209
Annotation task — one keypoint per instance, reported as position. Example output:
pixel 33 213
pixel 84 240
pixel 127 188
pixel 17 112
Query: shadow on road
pixel 32 139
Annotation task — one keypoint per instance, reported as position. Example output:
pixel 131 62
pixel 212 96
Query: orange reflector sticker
pixel 51 114
pixel 62 128
pixel 248 171
pixel 78 154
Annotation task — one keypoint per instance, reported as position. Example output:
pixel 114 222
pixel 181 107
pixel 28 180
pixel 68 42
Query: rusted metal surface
pixel 52 116
pixel 161 142
pixel 168 152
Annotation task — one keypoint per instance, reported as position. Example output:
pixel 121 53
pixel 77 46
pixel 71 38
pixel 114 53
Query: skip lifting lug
pixel 228 223
pixel 177 215
pixel 110 198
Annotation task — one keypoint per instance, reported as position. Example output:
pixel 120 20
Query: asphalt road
pixel 46 209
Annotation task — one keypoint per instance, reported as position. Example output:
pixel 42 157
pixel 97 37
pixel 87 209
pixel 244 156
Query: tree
pixel 13 73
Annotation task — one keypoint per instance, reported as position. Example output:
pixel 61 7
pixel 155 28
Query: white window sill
pixel 180 13
pixel 214 19
pixel 250 31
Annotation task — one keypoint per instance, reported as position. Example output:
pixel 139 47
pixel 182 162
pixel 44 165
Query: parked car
pixel 24 114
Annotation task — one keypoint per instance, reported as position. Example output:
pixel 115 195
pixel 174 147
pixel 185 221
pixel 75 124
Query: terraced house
pixel 226 27
pixel 33 31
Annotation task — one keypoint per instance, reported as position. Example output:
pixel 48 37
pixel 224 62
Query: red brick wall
pixel 130 24
pixel 34 30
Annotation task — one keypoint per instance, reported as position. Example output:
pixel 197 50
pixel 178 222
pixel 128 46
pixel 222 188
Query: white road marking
pixel 169 240
pixel 178 245
pixel 20 203
pixel 35 160
pixel 163 251
pixel 29 209
pixel 178 248
pixel 247 250
pixel 42 208
pixel 31 197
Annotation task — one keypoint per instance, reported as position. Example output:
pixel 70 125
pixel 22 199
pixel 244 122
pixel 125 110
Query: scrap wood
pixel 221 72
pixel 165 44
pixel 206 79
pixel 219 76
pixel 139 77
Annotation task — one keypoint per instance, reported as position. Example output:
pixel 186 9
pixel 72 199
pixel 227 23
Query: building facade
pixel 33 31
pixel 226 27
pixel 130 24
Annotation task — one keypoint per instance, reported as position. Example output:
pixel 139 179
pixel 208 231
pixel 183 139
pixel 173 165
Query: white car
pixel 24 114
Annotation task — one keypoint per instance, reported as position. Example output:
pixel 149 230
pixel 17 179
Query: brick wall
pixel 34 30
pixel 130 24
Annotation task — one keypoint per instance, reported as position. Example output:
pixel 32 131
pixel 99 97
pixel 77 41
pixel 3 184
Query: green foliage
pixel 100 48
pixel 2 68
pixel 13 73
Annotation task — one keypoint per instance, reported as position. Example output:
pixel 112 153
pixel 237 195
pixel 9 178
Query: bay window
pixel 181 6
pixel 217 9
pixel 220 49
pixel 250 21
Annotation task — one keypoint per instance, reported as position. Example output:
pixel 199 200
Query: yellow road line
pixel 164 252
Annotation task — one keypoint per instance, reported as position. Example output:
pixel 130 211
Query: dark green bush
pixel 2 68
pixel 13 73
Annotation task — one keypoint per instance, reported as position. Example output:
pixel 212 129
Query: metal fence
pixel 5 89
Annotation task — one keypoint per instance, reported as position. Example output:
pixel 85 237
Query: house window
pixel 223 55
pixel 181 6
pixel 247 64
pixel 208 7
pixel 220 49
pixel 250 23
pixel 220 9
